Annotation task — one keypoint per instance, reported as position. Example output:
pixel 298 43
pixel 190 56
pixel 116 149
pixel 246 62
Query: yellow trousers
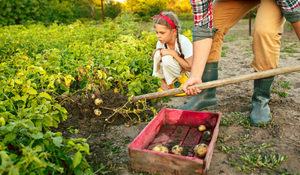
pixel 267 32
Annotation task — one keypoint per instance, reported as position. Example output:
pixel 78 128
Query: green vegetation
pixel 224 51
pixel 286 85
pixel 235 117
pixel 41 63
pixel 254 157
pixel 283 94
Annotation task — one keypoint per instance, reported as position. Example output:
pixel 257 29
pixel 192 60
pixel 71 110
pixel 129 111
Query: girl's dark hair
pixel 175 20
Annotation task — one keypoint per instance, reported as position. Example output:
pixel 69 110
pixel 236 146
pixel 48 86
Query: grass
pixel 252 157
pixel 224 51
pixel 235 117
pixel 289 49
pixel 286 84
pixel 231 38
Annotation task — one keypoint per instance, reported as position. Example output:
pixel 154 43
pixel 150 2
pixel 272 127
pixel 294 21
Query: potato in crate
pixel 168 144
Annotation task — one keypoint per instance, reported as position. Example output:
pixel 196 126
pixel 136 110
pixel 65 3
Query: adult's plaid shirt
pixel 203 12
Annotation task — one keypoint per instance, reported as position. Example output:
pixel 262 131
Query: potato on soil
pixel 93 96
pixel 98 101
pixel 179 150
pixel 200 150
pixel 160 148
pixel 202 128
pixel 207 135
pixel 97 112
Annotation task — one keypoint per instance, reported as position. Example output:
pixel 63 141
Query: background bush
pixel 45 11
pixel 112 9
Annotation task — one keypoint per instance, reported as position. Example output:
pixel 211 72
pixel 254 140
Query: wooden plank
pixel 178 136
pixel 163 136
pixel 190 118
pixel 167 164
pixel 212 145
pixel 191 140
pixel 150 131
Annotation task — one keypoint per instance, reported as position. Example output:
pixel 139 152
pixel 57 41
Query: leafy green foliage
pixel 235 117
pixel 146 9
pixel 286 85
pixel 39 63
pixel 45 11
pixel 116 55
pixel 281 93
pixel 112 9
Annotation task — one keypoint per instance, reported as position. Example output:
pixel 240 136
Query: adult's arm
pixel 203 33
pixel 291 11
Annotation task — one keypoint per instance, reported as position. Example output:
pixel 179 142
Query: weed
pixel 283 56
pixel 224 51
pixel 220 69
pixel 283 94
pixel 115 149
pixel 72 130
pixel 231 38
pixel 124 143
pixel 248 49
pixel 252 157
pixel 289 50
pixel 236 117
pixel 286 85
pixel 108 144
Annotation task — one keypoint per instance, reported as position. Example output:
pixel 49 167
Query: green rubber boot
pixel 207 98
pixel 260 99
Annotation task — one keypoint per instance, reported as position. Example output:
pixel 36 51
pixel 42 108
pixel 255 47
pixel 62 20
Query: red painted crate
pixel 170 127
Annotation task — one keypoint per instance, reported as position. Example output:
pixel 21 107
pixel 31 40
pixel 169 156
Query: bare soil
pixel 109 141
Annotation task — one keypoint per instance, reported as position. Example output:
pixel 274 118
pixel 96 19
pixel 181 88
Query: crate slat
pixel 179 134
pixel 167 164
pixel 192 140
pixel 149 132
pixel 163 136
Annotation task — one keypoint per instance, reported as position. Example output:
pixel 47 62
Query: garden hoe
pixel 222 82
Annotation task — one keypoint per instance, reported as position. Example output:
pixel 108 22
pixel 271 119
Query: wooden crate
pixel 170 127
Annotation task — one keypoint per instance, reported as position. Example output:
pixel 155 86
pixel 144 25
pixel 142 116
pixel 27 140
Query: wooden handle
pixel 222 82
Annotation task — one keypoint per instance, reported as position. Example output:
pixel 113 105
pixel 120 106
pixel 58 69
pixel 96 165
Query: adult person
pixel 212 22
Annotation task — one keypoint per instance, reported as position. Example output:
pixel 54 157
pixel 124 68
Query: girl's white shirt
pixel 186 46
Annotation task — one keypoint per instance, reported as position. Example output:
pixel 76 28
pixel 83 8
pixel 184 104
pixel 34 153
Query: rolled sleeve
pixel 292 15
pixel 203 14
pixel 200 33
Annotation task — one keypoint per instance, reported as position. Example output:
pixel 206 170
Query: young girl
pixel 173 54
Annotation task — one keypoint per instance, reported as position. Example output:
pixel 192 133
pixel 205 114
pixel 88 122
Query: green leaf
pixel 77 159
pixel 119 68
pixel 14 170
pixel 29 124
pixel 45 95
pixel 9 137
pixel 39 135
pixel 57 140
pixel 37 160
pixel 31 91
pixel 5 160
pixel 47 120
pixel 38 148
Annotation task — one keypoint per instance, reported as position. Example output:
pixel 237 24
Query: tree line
pixel 68 11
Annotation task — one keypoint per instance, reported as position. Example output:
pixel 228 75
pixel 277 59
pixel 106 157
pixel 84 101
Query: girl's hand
pixel 190 82
pixel 165 52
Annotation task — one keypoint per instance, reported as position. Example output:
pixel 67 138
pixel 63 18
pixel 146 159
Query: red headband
pixel 165 18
